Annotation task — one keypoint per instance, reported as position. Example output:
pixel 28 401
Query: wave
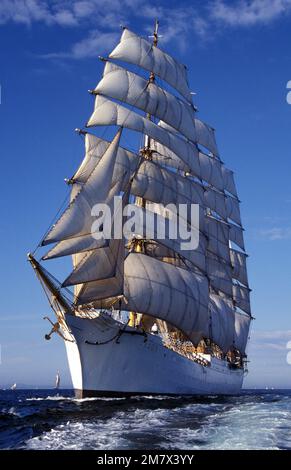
pixel 46 421
pixel 73 399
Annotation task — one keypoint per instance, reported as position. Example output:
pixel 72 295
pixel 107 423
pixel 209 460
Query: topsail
pixel 136 50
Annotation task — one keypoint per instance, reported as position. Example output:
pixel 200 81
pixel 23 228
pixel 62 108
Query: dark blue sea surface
pixel 46 419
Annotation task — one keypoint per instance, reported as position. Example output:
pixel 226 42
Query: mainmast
pixel 146 151
pixel 134 317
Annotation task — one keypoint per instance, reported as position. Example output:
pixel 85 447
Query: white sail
pixel 157 184
pixel 95 149
pixel 236 235
pixel 96 265
pixel 146 224
pixel 120 84
pixel 217 234
pixel 101 272
pixel 87 243
pixel 99 290
pixel 241 297
pixel 210 170
pixel 216 201
pixel 228 178
pixel 215 231
pixel 196 256
pixel 76 219
pixel 204 134
pixel 232 208
pixel 242 326
pixel 160 185
pixel 239 267
pixel 136 50
pixel 108 113
pixel 203 166
pixel 151 177
pixel 222 329
pixel 162 252
pixel 74 245
pixel 219 274
pixel 184 301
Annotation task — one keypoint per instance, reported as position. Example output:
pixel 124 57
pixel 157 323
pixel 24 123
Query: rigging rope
pixel 51 223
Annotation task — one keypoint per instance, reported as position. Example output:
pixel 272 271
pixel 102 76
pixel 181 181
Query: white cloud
pixel 66 18
pixel 24 11
pixel 102 17
pixel 248 13
pixel 60 12
pixel 83 9
pixel 265 340
pixel 96 43
pixel 275 233
pixel 281 335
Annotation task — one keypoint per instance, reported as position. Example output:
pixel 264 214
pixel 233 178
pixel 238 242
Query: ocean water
pixel 46 419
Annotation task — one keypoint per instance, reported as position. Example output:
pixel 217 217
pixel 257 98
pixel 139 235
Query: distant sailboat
pixel 13 387
pixel 58 381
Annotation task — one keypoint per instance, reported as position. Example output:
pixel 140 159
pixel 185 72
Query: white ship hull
pixel 135 364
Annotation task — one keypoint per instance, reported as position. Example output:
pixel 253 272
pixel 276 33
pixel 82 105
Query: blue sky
pixel 239 60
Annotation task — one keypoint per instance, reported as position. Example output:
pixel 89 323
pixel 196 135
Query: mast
pixel 134 317
pixel 147 142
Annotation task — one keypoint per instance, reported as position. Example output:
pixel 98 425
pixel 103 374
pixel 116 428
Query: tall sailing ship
pixel 145 316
